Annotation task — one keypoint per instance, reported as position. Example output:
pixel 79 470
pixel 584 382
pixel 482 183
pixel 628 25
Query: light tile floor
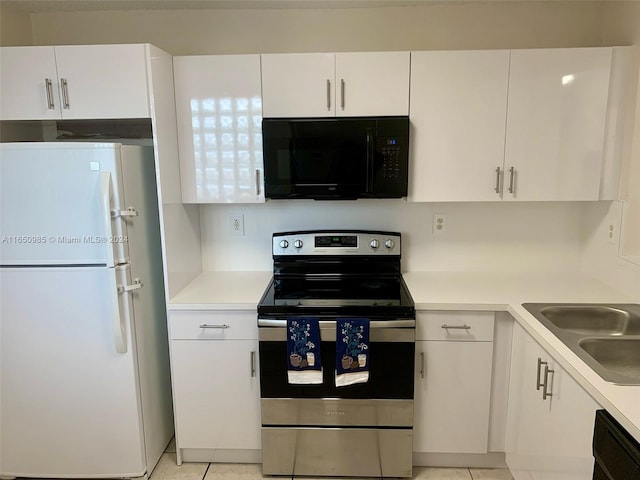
pixel 168 470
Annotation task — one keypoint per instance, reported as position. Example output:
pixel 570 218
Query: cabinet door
pixel 458 107
pixel 103 81
pixel 452 394
pixel 372 84
pixel 219 115
pixel 568 441
pixel 216 393
pixel 29 84
pixel 298 85
pixel 546 438
pixel 556 113
pixel 527 414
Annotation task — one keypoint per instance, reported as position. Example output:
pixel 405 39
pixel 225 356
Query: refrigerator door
pixel 56 203
pixel 68 374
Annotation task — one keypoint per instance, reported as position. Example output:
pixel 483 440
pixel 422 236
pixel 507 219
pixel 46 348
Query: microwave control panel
pixel 390 148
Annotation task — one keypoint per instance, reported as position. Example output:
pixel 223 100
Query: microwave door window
pixel 329 164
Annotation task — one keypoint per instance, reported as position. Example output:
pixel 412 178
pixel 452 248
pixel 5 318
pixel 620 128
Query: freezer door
pixel 56 202
pixel 70 396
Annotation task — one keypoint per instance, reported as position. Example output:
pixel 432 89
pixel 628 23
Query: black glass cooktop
pixel 337 295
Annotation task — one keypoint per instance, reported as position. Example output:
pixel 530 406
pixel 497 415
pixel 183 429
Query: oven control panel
pixel 323 242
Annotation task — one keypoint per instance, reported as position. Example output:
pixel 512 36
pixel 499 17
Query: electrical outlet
pixel 611 234
pixel 439 222
pixel 236 224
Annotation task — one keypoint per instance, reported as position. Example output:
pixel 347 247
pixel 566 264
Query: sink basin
pixel 618 355
pixel 593 319
pixel 605 336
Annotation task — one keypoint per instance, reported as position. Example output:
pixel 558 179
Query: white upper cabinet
pixel 458 108
pixel 29 83
pixel 298 85
pixel 74 82
pixel 103 81
pixel 525 125
pixel 219 116
pixel 372 84
pixel 556 120
pixel 342 84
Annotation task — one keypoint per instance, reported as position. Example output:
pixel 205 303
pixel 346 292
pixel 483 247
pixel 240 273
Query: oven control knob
pixel 374 244
pixel 389 244
pixel 284 244
pixel 297 243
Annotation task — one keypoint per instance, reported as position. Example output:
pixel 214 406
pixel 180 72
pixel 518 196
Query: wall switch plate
pixel 236 224
pixel 439 222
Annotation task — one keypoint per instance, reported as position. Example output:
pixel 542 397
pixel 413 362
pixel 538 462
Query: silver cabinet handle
pixel 421 364
pixel 456 327
pixel 222 326
pixel 49 88
pixel 342 93
pixel 65 93
pixel 253 364
pixel 546 390
pixel 538 374
pixel 328 94
pixel 512 174
pixel 258 189
pixel 498 180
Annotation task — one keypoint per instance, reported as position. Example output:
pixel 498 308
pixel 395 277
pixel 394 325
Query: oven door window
pixel 390 375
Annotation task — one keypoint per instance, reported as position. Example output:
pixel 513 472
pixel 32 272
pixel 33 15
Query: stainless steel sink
pixel 620 356
pixel 593 319
pixel 605 336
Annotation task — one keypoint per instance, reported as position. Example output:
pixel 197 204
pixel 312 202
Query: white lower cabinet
pixel 546 438
pixel 216 388
pixel 454 352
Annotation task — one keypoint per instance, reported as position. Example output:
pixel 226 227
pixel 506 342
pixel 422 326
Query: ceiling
pixel 38 6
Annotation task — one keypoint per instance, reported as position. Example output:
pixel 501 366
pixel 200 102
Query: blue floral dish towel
pixel 303 351
pixel 352 351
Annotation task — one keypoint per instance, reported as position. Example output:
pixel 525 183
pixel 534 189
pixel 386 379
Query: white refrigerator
pixel 84 364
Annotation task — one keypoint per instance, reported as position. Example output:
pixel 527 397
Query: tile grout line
pixel 206 471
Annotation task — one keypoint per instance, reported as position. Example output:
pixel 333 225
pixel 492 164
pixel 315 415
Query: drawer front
pixel 455 326
pixel 213 325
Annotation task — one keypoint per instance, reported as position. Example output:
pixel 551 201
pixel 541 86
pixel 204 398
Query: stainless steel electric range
pixel 322 429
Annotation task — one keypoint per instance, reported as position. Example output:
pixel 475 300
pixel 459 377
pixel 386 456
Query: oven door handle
pixel 377 324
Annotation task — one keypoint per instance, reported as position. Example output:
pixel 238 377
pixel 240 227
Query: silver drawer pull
pixel 206 325
pixel 456 327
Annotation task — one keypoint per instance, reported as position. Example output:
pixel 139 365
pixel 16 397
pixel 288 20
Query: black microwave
pixel 336 158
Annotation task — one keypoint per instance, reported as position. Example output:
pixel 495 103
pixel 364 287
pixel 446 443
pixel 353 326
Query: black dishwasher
pixel 616 452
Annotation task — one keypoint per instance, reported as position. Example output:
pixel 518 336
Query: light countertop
pixel 222 291
pixel 462 291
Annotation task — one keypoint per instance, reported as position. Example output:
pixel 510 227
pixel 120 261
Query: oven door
pixel 391 372
pixel 361 430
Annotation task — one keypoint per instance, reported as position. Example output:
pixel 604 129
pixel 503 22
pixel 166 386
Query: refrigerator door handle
pixel 117 320
pixel 105 202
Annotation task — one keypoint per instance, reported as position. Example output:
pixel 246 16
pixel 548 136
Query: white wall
pixel 604 257
pixel 15 27
pixel 453 25
pixel 483 236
